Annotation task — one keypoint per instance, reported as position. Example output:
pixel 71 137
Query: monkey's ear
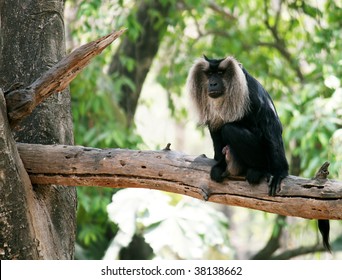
pixel 240 64
pixel 207 59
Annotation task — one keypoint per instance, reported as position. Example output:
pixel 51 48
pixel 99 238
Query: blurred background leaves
pixel 133 96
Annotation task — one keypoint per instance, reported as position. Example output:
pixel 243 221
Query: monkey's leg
pixel 247 150
pixel 217 172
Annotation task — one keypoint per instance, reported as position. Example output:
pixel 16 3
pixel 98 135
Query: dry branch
pixel 178 173
pixel 21 102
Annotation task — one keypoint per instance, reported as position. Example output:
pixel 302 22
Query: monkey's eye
pixel 209 73
pixel 220 72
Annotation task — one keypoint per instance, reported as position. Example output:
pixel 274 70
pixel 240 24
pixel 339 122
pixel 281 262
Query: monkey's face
pixel 219 73
pixel 214 75
pixel 215 83
pixel 219 90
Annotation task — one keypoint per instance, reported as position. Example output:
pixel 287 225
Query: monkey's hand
pixel 274 182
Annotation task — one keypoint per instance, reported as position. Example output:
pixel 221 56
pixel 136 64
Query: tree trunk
pixel 151 17
pixel 32 40
pixel 17 229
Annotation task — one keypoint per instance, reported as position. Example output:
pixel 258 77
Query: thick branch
pixel 21 102
pixel 178 173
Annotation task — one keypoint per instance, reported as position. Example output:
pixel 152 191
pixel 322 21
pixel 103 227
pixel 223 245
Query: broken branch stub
pixel 21 102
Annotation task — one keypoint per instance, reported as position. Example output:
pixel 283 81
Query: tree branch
pixel 273 243
pixel 222 11
pixel 21 102
pixel 298 252
pixel 178 173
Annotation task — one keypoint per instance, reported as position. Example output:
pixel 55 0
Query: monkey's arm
pixel 279 167
pixel 269 124
pixel 275 150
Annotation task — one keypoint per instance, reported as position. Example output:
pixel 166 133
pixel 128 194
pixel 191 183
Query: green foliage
pixel 94 231
pixel 99 121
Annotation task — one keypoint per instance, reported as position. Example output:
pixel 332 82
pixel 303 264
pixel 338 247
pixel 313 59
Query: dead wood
pixel 178 173
pixel 22 101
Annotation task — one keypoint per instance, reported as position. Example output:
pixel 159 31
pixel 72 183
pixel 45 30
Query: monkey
pixel 240 114
pixel 243 124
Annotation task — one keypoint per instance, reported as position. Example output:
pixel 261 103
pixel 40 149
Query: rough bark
pixel 32 40
pixel 175 172
pixel 16 197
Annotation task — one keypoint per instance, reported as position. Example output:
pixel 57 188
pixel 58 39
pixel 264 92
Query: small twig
pixel 219 9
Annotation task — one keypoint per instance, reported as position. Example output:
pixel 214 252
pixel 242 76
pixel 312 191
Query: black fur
pixel 324 228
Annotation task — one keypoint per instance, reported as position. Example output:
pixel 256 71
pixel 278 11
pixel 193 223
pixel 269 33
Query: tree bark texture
pixel 178 173
pixel 18 238
pixel 32 40
pixel 151 17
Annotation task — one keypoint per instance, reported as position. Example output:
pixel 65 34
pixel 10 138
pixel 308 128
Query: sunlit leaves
pixel 188 229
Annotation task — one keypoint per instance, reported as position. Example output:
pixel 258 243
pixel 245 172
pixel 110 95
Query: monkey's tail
pixel 324 228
